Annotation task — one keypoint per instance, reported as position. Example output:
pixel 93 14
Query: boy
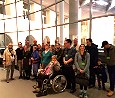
pixel 101 74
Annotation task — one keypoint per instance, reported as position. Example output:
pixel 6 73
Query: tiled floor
pixel 19 88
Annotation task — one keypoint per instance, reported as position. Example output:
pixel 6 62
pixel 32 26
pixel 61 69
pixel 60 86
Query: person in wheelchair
pixel 50 71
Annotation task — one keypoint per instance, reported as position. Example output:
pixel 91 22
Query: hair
pixel 99 59
pixel 84 54
pixel 69 41
pixel 90 40
pixel 54 56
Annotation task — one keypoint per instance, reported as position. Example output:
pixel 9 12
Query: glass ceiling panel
pixel 101 5
pixel 112 7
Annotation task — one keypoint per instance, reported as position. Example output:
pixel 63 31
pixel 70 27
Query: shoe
pixel 12 79
pixel 35 86
pixel 37 90
pixel 72 90
pixel 7 81
pixel 41 94
pixel 20 77
pixel 85 95
pixel 91 86
pixel 108 90
pixel 110 93
pixel 81 94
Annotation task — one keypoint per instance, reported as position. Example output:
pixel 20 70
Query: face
pixel 39 46
pixel 99 62
pixel 54 58
pixel 66 44
pixel 46 47
pixel 19 45
pixel 35 42
pixel 82 47
pixel 10 46
pixel 88 42
pixel 57 46
pixel 27 43
pixel 106 46
pixel 75 41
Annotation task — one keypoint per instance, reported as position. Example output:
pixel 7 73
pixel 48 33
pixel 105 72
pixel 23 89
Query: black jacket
pixel 93 51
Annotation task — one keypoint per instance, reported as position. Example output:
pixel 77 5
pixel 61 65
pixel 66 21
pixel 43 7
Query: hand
pixel 65 62
pixel 81 71
pixel 95 66
pixel 32 58
pixel 3 62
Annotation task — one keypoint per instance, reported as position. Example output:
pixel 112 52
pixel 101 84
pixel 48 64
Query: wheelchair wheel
pixel 59 83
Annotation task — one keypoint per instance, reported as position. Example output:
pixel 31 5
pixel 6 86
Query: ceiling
pixel 98 7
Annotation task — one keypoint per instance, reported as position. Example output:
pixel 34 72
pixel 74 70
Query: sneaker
pixel 7 81
pixel 81 95
pixel 85 95
pixel 110 93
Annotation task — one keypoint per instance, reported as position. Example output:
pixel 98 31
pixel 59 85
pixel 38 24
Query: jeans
pixel 111 71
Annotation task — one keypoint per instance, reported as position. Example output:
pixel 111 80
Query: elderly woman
pixel 9 61
pixel 52 68
pixel 82 61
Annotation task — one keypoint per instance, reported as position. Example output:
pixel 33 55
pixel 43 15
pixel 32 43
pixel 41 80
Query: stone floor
pixel 19 88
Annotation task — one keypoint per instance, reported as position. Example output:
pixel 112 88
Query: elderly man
pixel 9 60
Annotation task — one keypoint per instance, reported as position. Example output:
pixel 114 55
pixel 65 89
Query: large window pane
pixel 13 37
pixel 10 25
pixel 99 33
pixel 37 34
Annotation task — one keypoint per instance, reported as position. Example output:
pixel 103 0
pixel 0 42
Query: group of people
pixel 47 59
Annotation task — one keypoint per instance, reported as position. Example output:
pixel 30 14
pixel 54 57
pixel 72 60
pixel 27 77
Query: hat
pixel 19 43
pixel 104 43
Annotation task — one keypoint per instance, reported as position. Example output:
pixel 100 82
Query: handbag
pixel 82 79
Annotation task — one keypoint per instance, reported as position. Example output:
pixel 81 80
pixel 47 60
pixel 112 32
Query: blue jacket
pixel 36 56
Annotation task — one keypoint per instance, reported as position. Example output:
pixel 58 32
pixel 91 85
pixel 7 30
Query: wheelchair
pixel 57 84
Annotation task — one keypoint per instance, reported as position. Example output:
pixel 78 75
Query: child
pixel 101 74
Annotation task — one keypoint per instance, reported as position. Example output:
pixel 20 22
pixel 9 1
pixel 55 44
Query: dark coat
pixel 101 72
pixel 93 51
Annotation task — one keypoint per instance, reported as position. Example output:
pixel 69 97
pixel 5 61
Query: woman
pixel 46 56
pixel 26 63
pixel 51 69
pixel 82 61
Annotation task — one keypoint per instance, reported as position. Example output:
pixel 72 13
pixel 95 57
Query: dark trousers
pixel 111 71
pixel 99 79
pixel 83 87
pixel 27 71
pixel 92 78
pixel 70 76
pixel 40 78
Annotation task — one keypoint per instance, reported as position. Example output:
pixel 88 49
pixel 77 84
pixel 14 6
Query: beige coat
pixel 7 57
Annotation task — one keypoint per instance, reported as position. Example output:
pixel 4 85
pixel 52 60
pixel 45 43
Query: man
pixel 92 49
pixel 9 60
pixel 109 51
pixel 59 53
pixel 68 59
pixel 75 45
pixel 19 53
